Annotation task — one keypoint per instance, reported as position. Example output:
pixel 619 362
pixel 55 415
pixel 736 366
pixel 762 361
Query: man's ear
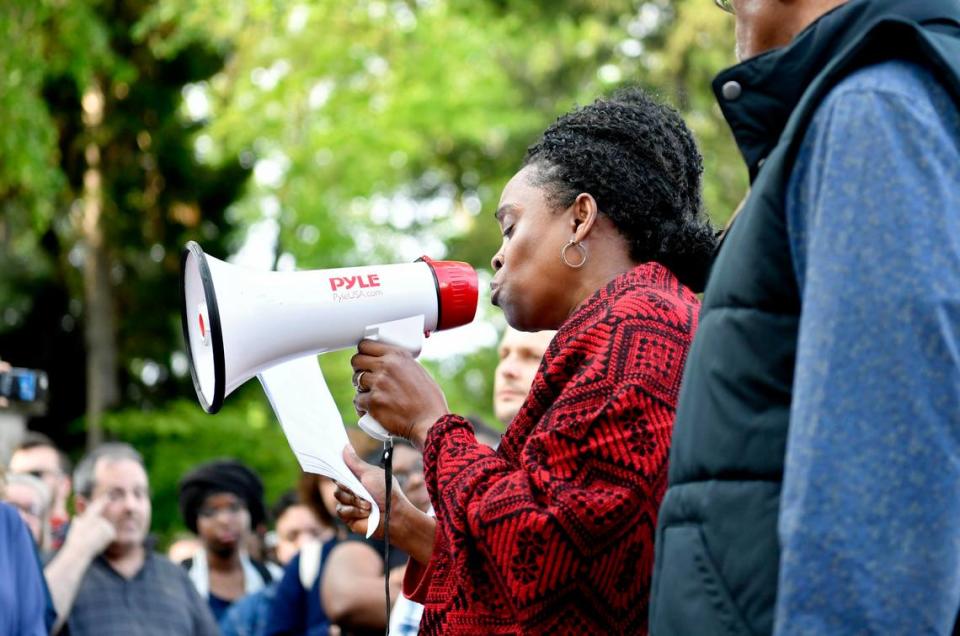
pixel 66 485
pixel 583 216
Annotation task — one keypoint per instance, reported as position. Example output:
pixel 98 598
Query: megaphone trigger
pixel 406 333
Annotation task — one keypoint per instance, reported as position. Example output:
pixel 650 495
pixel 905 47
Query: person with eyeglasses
pixel 26 608
pixel 815 466
pixel 106 580
pixel 37 455
pixel 221 502
pixel 31 497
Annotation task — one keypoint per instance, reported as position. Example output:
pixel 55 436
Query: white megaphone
pixel 239 322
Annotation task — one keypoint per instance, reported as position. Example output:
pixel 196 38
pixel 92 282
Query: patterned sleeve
pixel 575 498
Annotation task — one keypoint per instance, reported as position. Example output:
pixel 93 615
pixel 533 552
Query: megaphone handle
pixel 406 333
pixel 373 428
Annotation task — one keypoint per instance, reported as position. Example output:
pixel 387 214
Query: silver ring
pixel 359 387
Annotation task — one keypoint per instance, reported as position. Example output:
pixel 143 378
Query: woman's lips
pixel 494 293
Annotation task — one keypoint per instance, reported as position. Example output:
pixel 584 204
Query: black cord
pixel 388 475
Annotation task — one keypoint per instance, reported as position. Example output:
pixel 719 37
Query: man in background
pixel 520 355
pixel 37 455
pixel 31 498
pixel 105 581
pixel 24 600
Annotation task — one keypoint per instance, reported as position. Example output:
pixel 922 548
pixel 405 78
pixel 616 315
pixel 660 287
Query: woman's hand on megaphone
pixel 396 390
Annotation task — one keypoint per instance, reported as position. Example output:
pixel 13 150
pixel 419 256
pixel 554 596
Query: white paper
pixel 312 424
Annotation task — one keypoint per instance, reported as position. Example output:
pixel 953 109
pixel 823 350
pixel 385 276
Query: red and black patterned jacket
pixel 553 532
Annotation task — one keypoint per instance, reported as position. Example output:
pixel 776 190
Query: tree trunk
pixel 99 332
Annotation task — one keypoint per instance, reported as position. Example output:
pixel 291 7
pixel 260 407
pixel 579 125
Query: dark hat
pixel 223 475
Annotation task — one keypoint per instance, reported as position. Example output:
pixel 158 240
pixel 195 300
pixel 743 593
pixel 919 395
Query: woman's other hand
pixel 396 391
pixel 410 529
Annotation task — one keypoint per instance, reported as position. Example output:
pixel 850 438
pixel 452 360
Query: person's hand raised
pixel 90 533
pixel 396 390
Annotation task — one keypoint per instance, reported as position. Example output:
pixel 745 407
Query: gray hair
pixel 83 483
pixel 36 484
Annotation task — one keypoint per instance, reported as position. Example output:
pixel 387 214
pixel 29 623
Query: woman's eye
pixel 508 231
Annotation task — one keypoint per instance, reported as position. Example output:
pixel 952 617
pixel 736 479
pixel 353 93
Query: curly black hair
pixel 639 161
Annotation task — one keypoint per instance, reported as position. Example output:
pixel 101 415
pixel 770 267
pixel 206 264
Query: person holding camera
pixel 38 456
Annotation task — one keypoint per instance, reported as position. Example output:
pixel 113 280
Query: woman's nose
pixel 497 261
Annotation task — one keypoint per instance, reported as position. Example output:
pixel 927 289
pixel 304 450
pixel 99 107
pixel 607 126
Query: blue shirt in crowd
pixel 870 513
pixel 296 610
pixel 250 615
pixel 25 608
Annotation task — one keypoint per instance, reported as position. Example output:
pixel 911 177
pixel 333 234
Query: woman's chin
pixel 511 313
pixel 522 322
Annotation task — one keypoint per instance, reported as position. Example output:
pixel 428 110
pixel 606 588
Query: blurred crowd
pixel 77 540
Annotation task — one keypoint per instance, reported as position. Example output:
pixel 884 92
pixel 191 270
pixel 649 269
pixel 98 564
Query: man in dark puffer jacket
pixel 816 452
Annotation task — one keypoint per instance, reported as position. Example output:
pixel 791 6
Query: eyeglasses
pixel 42 474
pixel 726 5
pixel 231 509
pixel 404 476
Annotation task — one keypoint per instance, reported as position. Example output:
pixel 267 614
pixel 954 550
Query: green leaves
pixel 339 133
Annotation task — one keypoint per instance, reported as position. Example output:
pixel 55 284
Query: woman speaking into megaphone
pixel 605 240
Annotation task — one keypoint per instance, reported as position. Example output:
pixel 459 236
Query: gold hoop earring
pixel 583 254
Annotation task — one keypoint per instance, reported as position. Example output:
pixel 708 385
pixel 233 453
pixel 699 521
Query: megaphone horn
pixel 238 322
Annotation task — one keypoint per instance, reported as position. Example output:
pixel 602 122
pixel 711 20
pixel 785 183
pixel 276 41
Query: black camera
pixel 24 385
